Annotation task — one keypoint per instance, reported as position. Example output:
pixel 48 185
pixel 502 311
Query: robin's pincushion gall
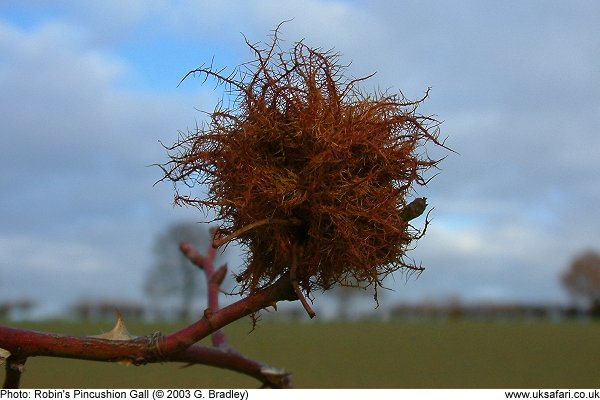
pixel 310 173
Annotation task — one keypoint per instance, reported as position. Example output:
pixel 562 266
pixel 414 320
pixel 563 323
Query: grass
pixel 458 354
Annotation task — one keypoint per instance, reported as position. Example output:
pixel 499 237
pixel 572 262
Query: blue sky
pixel 88 89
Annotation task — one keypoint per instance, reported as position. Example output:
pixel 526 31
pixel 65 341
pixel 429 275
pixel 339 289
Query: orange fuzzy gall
pixel 311 174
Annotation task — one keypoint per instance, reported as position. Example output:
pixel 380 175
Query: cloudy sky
pixel 88 89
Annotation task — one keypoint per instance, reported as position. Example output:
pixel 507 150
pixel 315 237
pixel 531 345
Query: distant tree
pixel 344 296
pixel 582 280
pixel 172 274
pixel 102 310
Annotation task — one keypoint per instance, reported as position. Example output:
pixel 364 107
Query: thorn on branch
pixel 118 332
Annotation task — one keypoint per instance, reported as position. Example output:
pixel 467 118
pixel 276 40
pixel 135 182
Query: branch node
pixel 153 350
pixel 208 313
pixel 15 366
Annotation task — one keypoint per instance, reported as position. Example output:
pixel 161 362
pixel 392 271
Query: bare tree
pixel 172 275
pixel 582 280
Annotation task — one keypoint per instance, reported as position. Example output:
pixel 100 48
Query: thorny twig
pixel 179 346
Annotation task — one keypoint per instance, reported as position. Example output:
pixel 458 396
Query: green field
pixel 361 355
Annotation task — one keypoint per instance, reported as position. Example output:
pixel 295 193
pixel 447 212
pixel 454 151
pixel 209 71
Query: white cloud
pixel 48 255
pixel 64 110
pixel 53 93
pixel 78 203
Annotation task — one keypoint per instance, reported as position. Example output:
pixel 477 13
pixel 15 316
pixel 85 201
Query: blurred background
pixel 89 90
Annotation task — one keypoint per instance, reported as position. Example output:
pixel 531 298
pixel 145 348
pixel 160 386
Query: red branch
pixel 179 346
pixel 212 321
pixel 31 343
pixel 214 280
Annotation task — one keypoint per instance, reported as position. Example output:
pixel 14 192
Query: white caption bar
pixel 300 394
